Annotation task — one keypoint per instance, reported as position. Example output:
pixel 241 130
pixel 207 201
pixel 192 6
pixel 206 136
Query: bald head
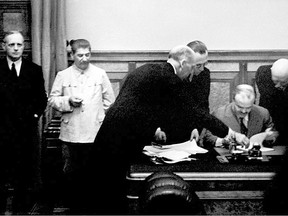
pixel 181 52
pixel 279 73
pixel 182 58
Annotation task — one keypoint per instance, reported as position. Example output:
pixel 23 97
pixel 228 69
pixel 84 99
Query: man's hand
pixel 238 137
pixel 271 135
pixel 160 136
pixel 241 139
pixel 194 135
pixel 75 101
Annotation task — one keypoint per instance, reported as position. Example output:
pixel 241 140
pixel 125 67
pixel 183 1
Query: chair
pixel 168 193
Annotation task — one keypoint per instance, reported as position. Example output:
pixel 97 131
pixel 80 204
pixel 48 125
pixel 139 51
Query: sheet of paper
pixel 258 138
pixel 174 153
pixel 265 149
pixel 188 146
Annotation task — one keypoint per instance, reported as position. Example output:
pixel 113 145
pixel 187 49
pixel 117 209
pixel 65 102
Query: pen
pixel 156 145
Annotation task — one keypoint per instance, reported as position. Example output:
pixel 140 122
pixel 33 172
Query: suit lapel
pixel 23 69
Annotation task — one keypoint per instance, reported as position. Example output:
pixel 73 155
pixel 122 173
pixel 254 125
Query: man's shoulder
pixel 151 68
pixel 153 65
pixel 96 68
pixel 3 61
pixel 29 63
pixel 263 69
pixel 65 71
pixel 260 109
pixel 206 71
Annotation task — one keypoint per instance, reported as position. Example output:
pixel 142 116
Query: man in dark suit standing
pixel 23 101
pixel 272 82
pixel 152 96
pixel 198 86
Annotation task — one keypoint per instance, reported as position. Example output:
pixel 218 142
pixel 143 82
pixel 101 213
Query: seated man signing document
pixel 243 116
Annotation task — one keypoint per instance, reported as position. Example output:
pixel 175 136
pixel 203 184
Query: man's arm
pixel 107 92
pixel 40 92
pixel 56 99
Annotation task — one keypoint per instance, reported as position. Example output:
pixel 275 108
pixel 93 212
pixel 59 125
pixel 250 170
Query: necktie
pixel 13 70
pixel 243 128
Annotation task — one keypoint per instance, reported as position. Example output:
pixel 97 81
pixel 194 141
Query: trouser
pixel 75 156
pixel 18 167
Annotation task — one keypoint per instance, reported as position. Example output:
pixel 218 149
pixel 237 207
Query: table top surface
pixel 207 166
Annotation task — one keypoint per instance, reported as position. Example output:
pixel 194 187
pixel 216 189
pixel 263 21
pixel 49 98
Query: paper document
pixel 257 138
pixel 174 153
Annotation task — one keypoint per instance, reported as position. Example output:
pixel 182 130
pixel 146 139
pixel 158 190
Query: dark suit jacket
pixel 276 101
pixel 199 89
pixel 151 96
pixel 259 120
pixel 21 98
pixel 25 95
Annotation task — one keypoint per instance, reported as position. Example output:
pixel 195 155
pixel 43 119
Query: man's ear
pixel 71 55
pixel 182 63
pixel 3 46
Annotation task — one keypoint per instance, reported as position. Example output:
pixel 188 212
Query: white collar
pixel 17 63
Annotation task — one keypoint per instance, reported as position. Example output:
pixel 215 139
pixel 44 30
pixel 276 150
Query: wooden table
pixel 224 188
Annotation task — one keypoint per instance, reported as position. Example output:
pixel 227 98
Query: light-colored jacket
pixel 81 124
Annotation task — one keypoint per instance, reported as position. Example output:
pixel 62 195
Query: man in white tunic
pixel 82 93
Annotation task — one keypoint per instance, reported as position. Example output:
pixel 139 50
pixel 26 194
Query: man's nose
pixel 278 85
pixel 244 111
pixel 84 58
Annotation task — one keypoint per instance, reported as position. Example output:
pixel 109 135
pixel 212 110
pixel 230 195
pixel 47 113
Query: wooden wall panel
pixel 16 15
pixel 228 68
pixel 219 94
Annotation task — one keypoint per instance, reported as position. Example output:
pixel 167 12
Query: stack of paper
pixel 173 153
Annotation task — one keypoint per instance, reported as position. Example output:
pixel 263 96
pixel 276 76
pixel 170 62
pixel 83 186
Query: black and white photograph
pixel 144 107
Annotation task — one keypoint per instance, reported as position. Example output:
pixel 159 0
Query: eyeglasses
pixel 200 65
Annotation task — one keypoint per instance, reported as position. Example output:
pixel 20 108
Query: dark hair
pixel 79 43
pixel 11 33
pixel 198 46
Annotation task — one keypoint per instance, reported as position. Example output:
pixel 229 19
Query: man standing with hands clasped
pixel 23 101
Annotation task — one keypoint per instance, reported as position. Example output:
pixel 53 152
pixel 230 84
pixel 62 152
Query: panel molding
pixel 226 66
pixel 214 55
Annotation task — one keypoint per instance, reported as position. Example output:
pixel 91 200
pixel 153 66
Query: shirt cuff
pixel 219 142
pixel 231 134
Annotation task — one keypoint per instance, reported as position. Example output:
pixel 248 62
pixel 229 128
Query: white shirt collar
pixel 17 63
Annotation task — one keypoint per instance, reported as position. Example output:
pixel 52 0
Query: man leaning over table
pixel 243 116
pixel 151 97
pixel 197 86
pixel 272 82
